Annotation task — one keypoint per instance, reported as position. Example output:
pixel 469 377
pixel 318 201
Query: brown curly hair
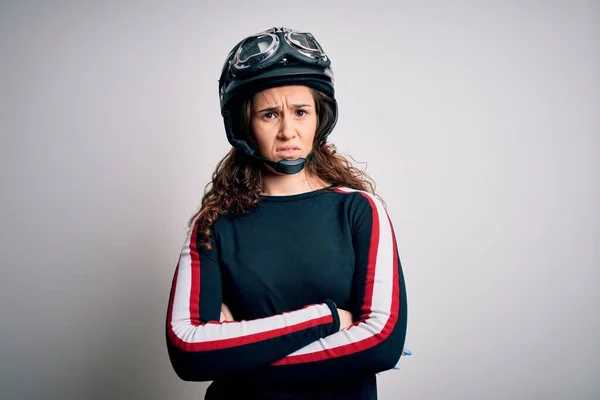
pixel 238 179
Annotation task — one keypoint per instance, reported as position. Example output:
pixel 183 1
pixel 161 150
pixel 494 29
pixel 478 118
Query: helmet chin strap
pixel 287 167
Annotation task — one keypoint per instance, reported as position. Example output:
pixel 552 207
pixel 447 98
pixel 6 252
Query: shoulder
pixel 201 221
pixel 359 198
pixel 361 206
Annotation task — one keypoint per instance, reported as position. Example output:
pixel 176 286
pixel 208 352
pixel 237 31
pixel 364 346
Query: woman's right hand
pixel 345 319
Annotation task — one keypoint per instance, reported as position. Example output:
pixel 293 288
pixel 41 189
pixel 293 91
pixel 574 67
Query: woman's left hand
pixel 225 313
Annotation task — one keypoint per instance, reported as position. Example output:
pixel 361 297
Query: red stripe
pixel 195 272
pixel 247 339
pixel 373 248
pixel 373 340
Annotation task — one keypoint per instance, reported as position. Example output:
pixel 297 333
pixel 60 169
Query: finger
pixel 227 312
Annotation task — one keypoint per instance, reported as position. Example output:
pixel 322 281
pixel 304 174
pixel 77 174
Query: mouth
pixel 288 151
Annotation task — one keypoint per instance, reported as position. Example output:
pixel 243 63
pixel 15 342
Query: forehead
pixel 289 94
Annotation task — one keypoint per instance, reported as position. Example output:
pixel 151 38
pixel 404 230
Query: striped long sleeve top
pixel 283 269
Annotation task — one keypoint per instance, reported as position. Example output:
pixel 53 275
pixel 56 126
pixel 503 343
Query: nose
pixel 287 128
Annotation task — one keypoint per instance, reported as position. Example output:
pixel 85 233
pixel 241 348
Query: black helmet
pixel 275 57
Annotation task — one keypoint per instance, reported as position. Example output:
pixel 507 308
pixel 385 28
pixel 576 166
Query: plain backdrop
pixel 477 119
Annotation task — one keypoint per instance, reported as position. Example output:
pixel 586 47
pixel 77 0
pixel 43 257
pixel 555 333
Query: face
pixel 284 122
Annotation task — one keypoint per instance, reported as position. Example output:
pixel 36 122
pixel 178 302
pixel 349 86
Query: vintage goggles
pixel 268 47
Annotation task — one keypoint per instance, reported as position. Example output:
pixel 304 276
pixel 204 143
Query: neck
pixel 275 184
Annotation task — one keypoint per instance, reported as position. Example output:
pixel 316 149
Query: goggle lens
pixel 305 41
pixel 255 46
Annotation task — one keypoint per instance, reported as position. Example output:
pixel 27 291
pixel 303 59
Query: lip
pixel 287 150
pixel 284 148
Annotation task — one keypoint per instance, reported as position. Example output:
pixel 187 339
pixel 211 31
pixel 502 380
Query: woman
pixel 290 240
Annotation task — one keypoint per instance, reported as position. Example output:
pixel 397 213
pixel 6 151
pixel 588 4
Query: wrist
pixel 335 314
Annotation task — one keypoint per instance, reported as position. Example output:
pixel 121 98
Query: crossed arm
pixel 316 343
pixel 345 316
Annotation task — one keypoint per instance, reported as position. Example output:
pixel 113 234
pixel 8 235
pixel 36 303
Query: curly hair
pixel 238 178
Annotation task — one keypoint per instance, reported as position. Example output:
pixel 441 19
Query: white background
pixel 478 120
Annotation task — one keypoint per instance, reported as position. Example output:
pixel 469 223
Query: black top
pixel 282 269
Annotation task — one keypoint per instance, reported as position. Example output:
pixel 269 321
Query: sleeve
pixel 201 348
pixel 375 341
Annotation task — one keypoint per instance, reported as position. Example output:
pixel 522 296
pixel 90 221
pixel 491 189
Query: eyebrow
pixel 277 108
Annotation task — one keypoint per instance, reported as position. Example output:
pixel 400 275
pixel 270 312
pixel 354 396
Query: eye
pixel 269 115
pixel 301 113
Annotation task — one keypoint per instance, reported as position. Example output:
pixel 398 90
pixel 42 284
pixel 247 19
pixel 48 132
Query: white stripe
pixel 381 303
pixel 181 323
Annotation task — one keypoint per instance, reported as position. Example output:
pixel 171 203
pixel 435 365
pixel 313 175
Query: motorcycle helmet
pixel 275 57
